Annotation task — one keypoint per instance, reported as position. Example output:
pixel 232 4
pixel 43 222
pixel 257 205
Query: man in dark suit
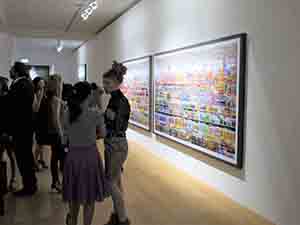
pixel 21 97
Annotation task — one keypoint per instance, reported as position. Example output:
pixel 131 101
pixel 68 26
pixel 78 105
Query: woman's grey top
pixel 83 130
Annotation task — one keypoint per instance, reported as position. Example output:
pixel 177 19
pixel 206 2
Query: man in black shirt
pixel 21 96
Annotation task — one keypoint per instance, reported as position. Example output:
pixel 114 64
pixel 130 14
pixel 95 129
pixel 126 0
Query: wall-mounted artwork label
pixel 136 87
pixel 199 97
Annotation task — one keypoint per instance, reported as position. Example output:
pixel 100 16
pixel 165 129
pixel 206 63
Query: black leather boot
pixel 126 222
pixel 113 220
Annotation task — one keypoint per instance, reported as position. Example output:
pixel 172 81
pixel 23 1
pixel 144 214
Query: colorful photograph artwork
pixel 136 87
pixel 196 94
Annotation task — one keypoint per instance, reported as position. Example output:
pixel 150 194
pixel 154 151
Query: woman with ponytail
pixel 116 146
pixel 83 180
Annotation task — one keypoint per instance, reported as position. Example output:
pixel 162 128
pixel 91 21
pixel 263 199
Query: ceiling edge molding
pixel 51 34
pixel 101 29
pixel 69 26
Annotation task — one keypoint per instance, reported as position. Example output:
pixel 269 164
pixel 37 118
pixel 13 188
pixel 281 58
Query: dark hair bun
pixel 81 91
pixel 117 72
pixel 94 86
pixel 119 69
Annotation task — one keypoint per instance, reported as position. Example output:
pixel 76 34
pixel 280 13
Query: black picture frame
pixel 242 56
pixel 133 123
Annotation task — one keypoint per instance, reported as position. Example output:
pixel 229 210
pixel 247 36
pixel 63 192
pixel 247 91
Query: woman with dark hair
pixel 38 84
pixel 83 180
pixel 95 89
pixel 39 94
pixel 67 92
pixel 116 146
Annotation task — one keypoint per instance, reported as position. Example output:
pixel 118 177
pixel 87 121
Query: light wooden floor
pixel 156 192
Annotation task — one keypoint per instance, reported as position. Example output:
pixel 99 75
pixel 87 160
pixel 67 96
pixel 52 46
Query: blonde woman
pixel 51 126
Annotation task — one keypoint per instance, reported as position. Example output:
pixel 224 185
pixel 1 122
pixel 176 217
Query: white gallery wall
pixel 7 53
pixel 92 54
pixel 64 63
pixel 271 180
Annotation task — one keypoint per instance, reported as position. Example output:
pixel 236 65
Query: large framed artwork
pixel 199 97
pixel 136 87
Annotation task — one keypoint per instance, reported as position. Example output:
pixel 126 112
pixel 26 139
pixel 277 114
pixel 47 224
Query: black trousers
pixel 25 159
pixel 57 157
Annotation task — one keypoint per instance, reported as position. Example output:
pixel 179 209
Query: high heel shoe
pixel 43 164
pixel 113 220
pixel 56 188
pixel 2 209
pixel 36 168
pixel 68 219
pixel 12 185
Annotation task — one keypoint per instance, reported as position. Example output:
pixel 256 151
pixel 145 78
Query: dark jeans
pixel 25 159
pixel 57 157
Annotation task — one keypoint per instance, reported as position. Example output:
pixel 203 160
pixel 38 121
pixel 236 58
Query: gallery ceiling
pixel 57 19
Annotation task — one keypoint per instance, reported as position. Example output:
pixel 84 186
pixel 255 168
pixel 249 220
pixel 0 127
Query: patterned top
pixel 119 104
pixel 82 132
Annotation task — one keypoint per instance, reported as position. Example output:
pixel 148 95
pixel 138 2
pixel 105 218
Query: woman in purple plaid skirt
pixel 84 180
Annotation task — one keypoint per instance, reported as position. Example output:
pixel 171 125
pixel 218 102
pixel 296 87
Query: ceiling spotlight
pixel 24 60
pixel 59 46
pixel 89 9
pixel 94 5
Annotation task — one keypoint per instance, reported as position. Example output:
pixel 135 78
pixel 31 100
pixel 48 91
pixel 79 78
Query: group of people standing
pixel 69 119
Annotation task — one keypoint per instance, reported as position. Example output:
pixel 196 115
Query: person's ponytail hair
pixel 81 91
pixel 117 72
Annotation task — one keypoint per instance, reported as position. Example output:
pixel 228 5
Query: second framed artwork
pixel 193 96
pixel 136 87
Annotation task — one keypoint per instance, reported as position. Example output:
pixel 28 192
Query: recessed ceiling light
pixel 59 46
pixel 24 60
